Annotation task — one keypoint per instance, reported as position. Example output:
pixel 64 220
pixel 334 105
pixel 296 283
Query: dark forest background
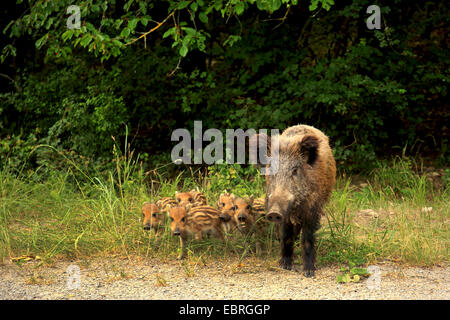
pixel 231 64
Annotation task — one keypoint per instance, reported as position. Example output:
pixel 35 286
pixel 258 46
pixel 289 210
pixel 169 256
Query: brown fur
pixel 226 206
pixel 300 188
pixel 153 218
pixel 259 206
pixel 259 210
pixel 249 222
pixel 186 221
pixel 165 203
pixel 193 197
pixel 323 172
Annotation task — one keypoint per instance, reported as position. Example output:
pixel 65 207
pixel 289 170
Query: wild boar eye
pixel 182 219
pixel 171 219
pixel 234 208
pixel 223 204
pixel 190 199
pixel 178 200
pixel 154 215
pixel 248 207
pixel 294 171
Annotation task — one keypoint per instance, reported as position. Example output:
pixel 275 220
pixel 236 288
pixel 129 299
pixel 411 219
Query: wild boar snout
pixel 224 217
pixel 275 217
pixel 242 217
pixel 278 206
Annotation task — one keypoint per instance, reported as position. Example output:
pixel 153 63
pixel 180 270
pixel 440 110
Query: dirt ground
pixel 138 278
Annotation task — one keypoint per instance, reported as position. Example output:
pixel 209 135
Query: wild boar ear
pixel 251 199
pixel 158 203
pixel 188 207
pixel 309 147
pixel 232 196
pixel 176 192
pixel 259 149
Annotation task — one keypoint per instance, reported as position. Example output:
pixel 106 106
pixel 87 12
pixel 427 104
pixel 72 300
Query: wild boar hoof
pixel 309 273
pixel 286 263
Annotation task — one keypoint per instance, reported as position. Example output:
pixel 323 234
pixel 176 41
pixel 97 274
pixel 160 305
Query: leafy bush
pixel 248 64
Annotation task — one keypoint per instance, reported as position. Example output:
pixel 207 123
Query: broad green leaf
pixel 67 35
pixel 41 41
pixel 239 8
pixel 125 32
pixel 314 4
pixel 132 23
pixel 203 17
pixel 182 5
pixel 169 32
pixel 144 21
pixel 85 40
pixel 183 51
pixel 276 4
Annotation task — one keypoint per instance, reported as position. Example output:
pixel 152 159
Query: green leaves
pixel 171 32
pixel 8 50
pixel 203 17
pixel 67 35
pixel 41 41
pixel 188 39
pixel 257 75
pixel 85 40
pixel 183 4
pixel 268 5
pixel 231 40
pixel 183 50
pixel 125 32
pixel 98 27
pixel 239 8
pixel 326 4
pixel 352 274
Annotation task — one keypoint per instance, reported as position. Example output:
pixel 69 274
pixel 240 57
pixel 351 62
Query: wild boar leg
pixel 308 247
pixel 289 232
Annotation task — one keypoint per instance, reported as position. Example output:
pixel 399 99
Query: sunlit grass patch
pixel 396 214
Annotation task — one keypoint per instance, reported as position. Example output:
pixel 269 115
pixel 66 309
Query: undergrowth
pixel 396 214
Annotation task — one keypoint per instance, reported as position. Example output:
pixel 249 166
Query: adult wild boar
pixel 298 188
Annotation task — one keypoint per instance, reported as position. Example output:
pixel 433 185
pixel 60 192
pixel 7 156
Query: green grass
pixel 75 215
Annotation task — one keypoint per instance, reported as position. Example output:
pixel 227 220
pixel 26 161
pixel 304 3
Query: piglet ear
pixel 309 148
pixel 145 205
pixel 250 200
pixel 188 207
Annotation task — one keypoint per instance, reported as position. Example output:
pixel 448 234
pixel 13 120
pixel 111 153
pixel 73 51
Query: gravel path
pixel 255 279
